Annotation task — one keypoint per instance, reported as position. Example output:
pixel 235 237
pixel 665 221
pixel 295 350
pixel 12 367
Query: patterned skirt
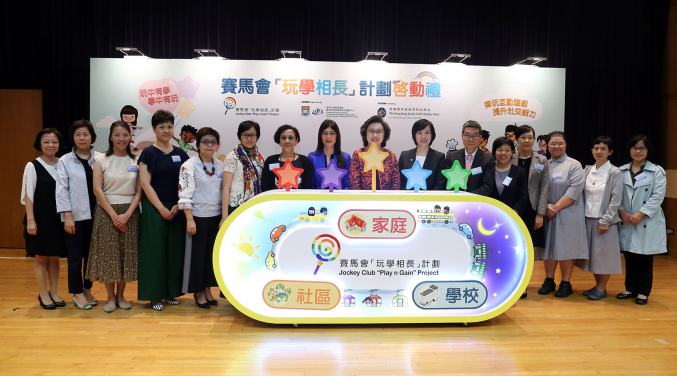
pixel 114 255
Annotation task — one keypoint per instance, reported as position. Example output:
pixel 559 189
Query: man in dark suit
pixel 482 164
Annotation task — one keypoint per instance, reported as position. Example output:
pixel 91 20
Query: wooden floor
pixel 541 335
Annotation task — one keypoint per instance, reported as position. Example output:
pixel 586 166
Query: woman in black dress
pixel 44 232
pixel 287 137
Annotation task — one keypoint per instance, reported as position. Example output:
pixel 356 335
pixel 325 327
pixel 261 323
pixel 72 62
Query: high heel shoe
pixel 58 304
pixel 213 302
pixel 81 306
pixel 46 306
pixel 201 305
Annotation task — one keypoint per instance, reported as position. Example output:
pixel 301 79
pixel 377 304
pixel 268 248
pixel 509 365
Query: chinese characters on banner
pixel 159 95
pixel 510 106
pixel 293 86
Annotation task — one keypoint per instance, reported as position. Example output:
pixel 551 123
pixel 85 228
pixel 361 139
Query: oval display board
pixel 361 257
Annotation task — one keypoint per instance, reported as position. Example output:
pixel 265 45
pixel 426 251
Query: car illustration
pixel 466 230
pixel 270 261
pixel 277 232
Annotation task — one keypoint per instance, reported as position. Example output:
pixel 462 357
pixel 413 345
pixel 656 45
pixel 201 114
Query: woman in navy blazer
pixel 511 183
pixel 423 133
pixel 329 149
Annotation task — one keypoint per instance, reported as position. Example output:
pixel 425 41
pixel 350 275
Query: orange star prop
pixel 373 160
pixel 287 175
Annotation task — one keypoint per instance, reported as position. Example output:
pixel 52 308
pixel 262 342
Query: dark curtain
pixel 612 50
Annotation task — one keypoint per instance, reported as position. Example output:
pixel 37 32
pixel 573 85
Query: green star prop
pixel 456 177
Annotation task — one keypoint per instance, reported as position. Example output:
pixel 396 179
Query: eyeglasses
pixel 209 143
pixel 640 149
pixel 287 138
pixel 526 138
pixel 471 137
pixel 247 136
pixel 373 132
pixel 561 144
pixel 328 134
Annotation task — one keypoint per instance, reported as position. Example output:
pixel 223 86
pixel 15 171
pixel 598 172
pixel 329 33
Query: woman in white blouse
pixel 242 169
pixel 200 199
pixel 114 249
pixel 603 194
pixel 44 232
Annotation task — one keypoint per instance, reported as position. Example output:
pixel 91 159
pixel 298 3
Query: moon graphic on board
pixel 483 230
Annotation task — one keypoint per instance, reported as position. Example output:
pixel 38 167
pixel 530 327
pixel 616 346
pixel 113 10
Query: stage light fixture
pixel 290 52
pixel 381 54
pixel 535 60
pixel 127 51
pixel 463 56
pixel 208 54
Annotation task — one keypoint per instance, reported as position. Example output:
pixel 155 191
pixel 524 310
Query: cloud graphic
pixel 239 256
pixel 105 122
pixel 480 112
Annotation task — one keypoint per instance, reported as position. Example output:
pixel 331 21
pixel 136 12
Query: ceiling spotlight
pixel 290 52
pixel 462 56
pixel 207 54
pixel 381 54
pixel 128 51
pixel 531 61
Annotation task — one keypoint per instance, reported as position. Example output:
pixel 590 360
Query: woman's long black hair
pixel 111 150
pixel 337 146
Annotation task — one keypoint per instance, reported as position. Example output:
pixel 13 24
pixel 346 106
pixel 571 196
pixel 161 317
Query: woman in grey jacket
pixel 642 232
pixel 603 191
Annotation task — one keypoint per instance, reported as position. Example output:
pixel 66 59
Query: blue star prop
pixel 416 176
pixel 331 176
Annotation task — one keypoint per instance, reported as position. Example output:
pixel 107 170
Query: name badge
pixel 476 170
pixel 91 162
pixel 256 164
pixel 538 167
pixel 557 175
pixel 507 181
pixel 132 169
pixel 641 176
pixel 274 166
pixel 220 175
pixel 176 158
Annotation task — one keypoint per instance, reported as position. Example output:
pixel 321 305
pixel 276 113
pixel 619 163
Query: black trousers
pixel 638 273
pixel 77 248
pixel 198 267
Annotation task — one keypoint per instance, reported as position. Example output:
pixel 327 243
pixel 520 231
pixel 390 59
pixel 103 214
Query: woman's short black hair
pixel 206 131
pixel 247 125
pixel 500 142
pixel 81 124
pixel 556 134
pixel 522 129
pixel 161 116
pixel 606 140
pixel 420 125
pixel 38 139
pixel 647 143
pixel 375 119
pixel 283 128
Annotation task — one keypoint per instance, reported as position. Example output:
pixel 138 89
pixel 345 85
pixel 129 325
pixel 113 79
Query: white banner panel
pixel 223 93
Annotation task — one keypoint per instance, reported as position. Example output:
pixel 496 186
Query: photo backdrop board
pixel 223 93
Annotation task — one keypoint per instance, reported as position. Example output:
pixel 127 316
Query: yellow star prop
pixel 373 160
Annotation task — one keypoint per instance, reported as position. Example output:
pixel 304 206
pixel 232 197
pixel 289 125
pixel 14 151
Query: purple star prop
pixel 331 176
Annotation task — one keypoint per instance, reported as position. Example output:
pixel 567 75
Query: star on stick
pixel 456 177
pixel 287 175
pixel 416 176
pixel 373 160
pixel 331 176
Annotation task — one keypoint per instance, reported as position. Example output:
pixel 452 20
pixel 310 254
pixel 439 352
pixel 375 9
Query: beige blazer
pixel 539 181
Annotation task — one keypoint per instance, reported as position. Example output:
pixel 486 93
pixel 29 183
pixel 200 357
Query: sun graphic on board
pixel 246 247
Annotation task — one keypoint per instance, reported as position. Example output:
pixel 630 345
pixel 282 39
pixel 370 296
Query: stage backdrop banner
pixel 309 256
pixel 223 93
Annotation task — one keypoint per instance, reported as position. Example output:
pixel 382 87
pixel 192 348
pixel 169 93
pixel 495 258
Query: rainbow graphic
pixel 426 74
pixel 325 248
pixel 229 103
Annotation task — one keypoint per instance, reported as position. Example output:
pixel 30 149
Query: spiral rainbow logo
pixel 325 248
pixel 229 103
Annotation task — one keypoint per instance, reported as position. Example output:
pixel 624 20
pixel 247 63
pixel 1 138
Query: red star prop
pixel 287 175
